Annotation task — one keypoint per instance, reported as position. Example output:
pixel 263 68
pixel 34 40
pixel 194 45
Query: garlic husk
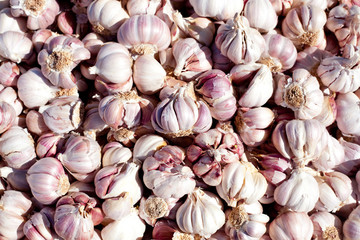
pixel 276 170
pixel 326 226
pixel 218 10
pixel 261 15
pixel 351 225
pixel 201 205
pixel 10 23
pixel 136 7
pixel 66 22
pixel 106 16
pixel 323 4
pixel 114 153
pixel 15 46
pixel 39 225
pixel 146 146
pixel 238 179
pixel 347 118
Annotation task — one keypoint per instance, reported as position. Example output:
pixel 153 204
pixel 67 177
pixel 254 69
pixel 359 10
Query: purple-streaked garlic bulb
pixel 179 113
pixel 35 123
pixel 60 57
pixel 352 225
pixel 310 59
pixel 112 181
pixel 153 208
pixel 280 53
pixel 75 216
pixel 191 58
pixel 9 73
pixel 118 207
pixel 10 23
pixel 347 118
pixel 276 168
pixel 125 109
pixel 14 207
pixel 295 194
pixel 328 113
pixel 291 226
pixel 217 91
pixel 106 16
pixel 15 46
pixel 114 153
pixel 285 138
pixel 237 34
pixel 246 221
pixel 166 174
pixel 39 13
pixel 48 145
pixel 146 146
pixel 63 114
pixel 48 180
pixel 39 225
pixel 149 76
pixel 7 116
pixel 220 61
pixel 259 89
pixel 212 150
pixel 252 124
pixel 331 156
pixel 17 148
pixel 238 178
pixel 334 189
pixel 326 226
pixel 201 205
pixel 219 10
pixel 261 15
pixel 304 26
pixel 113 64
pixel 144 34
pixel 136 7
pixel 81 157
pixel 301 93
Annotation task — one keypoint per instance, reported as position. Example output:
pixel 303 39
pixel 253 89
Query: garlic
pixel 39 225
pixel 191 58
pixel 114 153
pixel 66 22
pixel 81 157
pixel 301 93
pixel 241 182
pixel 347 113
pixel 351 162
pixel 220 61
pixel 10 23
pixel 252 124
pixel 93 124
pixel 326 226
pixel 351 225
pixel 17 148
pixel 291 226
pixel 281 7
pixel 15 46
pixel 10 96
pixel 78 186
pixel 146 146
pixel 153 208
pixel 166 175
pixel 9 73
pixel 40 13
pixel 304 25
pixel 236 34
pixel 93 42
pixel 217 91
pixel 144 34
pixel 280 53
pixel 112 181
pixel 35 123
pixel 7 116
pixel 212 150
pixel 329 111
pixel 220 10
pixel 317 3
pixel 118 207
pixel 165 12
pixel 41 38
pixel 63 114
pixel 200 205
pixel 48 145
pixel 15 178
pixel 105 88
pixel 149 75
pixel 246 221
pixel 106 16
pixel 120 229
pixel 113 64
pixel 276 169
pixel 137 7
pixel 261 15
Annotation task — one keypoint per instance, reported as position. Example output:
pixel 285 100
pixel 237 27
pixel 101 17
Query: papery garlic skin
pixel 220 61
pixel 7 116
pixel 304 25
pixel 114 153
pixel 15 46
pixel 261 15
pixel 9 73
pixel 326 226
pixel 351 225
pixel 146 146
pixel 329 111
pixel 238 179
pixel 136 7
pixel 301 93
pixel 153 208
pixel 332 155
pixel 48 145
pixel 10 23
pixel 352 158
pixel 200 205
pixel 347 118
pixel 10 96
pixel 237 34
pixel 281 7
pixel 144 34
pixel 39 225
pixel 35 123
pixel 219 10
pixel 287 227
pixel 106 16
pixel 40 14
pixel 118 207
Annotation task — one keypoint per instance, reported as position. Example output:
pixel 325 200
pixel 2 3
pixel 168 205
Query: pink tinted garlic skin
pixel 48 180
pixel 212 150
pixel 39 225
pixel 35 123
pixel 118 207
pixel 40 14
pixel 276 169
pixel 93 42
pixel 146 146
pixel 144 34
pixel 286 227
pixel 114 153
pixel 153 208
pixel 301 93
pixel 11 23
pixel 136 7
pixel 237 34
pixel 304 25
pixel 326 226
pixel 223 11
pixel 93 124
pixel 7 116
pixel 281 7
pixel 352 225
pixel 10 96
pixel 48 145
pixel 217 91
pixel 9 74
pixel 220 61
pixel 15 46
pixel 60 57
pixel 348 113
pixel 329 111
pixel 261 15
pixel 166 175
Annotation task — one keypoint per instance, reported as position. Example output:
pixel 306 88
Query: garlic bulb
pixel 326 226
pixel 10 96
pixel 106 16
pixel 236 34
pixel 351 161
pixel 137 7
pixel 118 207
pixel 146 146
pixel 166 175
pixel 40 14
pixel 48 180
pixel 351 225
pixel 39 225
pixel 281 7
pixel 10 23
pixel 9 73
pixel 347 113
pixel 261 15
pixel 15 46
pixel 291 226
pixel 114 153
pixel 220 10
pixel 153 208
pixel 35 123
pixel 200 205
pixel 7 116
pixel 48 145
pixel 331 156
pixel 238 179
pixel 93 124
pixel 15 178
pixel 220 61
